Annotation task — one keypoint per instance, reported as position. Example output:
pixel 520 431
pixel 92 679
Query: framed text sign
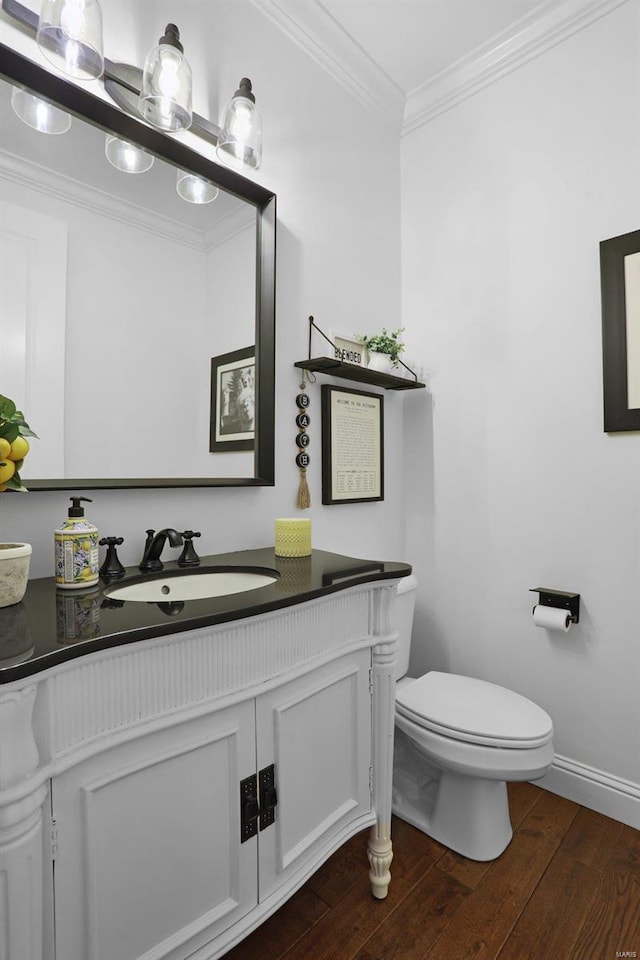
pixel 352 446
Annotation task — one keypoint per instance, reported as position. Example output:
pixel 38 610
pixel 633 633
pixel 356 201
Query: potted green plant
pixel 14 447
pixel 384 349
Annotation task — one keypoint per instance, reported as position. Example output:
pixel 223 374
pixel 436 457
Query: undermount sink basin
pixel 193 585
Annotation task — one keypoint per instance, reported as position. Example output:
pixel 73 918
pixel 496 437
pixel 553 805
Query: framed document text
pixel 352 446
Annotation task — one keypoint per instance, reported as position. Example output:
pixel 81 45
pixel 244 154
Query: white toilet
pixel 457 742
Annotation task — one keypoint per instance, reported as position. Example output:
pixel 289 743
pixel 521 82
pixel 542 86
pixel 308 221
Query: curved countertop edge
pixel 51 626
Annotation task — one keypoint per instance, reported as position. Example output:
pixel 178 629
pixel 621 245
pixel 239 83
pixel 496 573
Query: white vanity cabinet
pixel 121 815
pixel 149 860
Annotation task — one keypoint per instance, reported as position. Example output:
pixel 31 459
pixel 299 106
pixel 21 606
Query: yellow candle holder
pixel 293 538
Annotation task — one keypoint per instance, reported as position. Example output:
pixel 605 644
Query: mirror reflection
pixel 117 291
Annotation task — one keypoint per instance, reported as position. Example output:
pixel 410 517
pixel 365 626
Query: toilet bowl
pixel 458 741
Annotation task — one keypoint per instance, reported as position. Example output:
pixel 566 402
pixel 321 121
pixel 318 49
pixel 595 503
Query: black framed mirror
pixel 145 297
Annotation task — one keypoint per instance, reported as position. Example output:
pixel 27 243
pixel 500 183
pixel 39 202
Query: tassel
pixel 304 496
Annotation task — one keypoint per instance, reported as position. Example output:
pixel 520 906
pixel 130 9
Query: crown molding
pixel 539 31
pixel 316 32
pixel 231 225
pixel 59 187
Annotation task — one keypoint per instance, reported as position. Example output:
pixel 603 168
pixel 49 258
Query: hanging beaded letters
pixel 302 442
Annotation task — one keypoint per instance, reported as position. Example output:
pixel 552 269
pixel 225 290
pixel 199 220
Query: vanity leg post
pixel 21 824
pixel 380 851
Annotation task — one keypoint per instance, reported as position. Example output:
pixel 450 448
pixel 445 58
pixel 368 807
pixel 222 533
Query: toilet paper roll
pixel 552 618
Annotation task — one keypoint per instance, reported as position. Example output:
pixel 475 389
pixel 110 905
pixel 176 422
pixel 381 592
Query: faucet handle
pixel 189 557
pixel 111 569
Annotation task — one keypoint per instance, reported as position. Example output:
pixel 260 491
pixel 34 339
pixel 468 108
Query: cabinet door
pixel 149 862
pixel 317 731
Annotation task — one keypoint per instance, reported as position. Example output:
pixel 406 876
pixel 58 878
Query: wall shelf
pixel 349 371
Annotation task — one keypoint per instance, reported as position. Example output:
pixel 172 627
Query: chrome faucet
pixel 154 545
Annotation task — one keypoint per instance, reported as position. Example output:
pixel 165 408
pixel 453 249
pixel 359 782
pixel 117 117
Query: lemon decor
pixel 14 445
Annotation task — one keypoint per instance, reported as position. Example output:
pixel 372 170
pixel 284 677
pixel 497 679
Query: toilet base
pixel 467 814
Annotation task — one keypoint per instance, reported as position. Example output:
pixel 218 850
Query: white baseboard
pixel 600 791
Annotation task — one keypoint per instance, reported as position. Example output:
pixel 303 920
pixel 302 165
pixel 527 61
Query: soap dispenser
pixel 76 549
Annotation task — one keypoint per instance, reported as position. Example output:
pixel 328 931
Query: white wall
pixel 511 482
pixel 336 175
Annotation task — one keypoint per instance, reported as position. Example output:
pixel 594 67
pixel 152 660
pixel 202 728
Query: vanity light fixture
pixel 126 156
pixel 38 114
pixel 165 96
pixel 240 139
pixel 70 36
pixel 195 189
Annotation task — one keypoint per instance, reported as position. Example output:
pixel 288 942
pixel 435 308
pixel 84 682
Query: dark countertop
pixel 51 625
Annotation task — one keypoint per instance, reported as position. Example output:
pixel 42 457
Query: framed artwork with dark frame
pixel 352 445
pixel 233 400
pixel 620 290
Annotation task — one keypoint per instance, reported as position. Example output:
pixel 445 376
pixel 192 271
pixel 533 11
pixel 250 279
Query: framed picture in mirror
pixel 233 397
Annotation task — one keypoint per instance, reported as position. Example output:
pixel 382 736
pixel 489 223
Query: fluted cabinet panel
pixel 131 685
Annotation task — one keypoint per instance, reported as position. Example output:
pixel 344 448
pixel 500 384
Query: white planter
pixel 381 362
pixel 14 572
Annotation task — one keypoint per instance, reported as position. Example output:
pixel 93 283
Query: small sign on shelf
pixel 348 349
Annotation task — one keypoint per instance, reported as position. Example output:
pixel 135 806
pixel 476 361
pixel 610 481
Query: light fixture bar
pixel 119 79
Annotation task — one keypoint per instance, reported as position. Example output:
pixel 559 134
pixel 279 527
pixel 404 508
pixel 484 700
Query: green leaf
pixel 15 483
pixel 9 431
pixel 7 408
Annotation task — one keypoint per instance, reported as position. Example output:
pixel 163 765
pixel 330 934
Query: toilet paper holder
pixel 560 599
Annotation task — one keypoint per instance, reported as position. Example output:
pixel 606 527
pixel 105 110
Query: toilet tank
pixel 402 621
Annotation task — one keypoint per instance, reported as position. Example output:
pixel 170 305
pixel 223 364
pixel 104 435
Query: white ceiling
pixel 412 41
pixel 411 60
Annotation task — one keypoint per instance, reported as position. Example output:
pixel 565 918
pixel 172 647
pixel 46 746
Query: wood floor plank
pixel 337 875
pixel 522 798
pixel 554 916
pixel 467 872
pixel 418 921
pixel 590 838
pixel 486 918
pixel 342 932
pixel 613 928
pixel 280 931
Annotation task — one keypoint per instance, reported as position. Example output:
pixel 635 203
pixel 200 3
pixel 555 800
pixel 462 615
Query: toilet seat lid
pixel 476 711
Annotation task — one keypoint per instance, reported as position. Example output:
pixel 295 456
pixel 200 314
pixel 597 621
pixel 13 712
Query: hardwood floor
pixel 566 888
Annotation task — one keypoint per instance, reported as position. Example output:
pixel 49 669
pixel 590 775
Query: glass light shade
pixel 70 37
pixel 126 156
pixel 165 95
pixel 38 114
pixel 240 138
pixel 195 189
